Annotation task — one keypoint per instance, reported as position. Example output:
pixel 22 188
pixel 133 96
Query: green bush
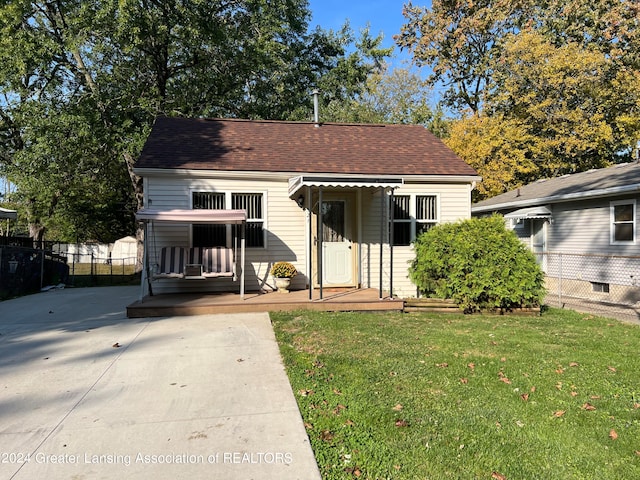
pixel 479 264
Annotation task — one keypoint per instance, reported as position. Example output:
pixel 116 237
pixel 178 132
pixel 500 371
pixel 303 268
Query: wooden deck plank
pixel 208 303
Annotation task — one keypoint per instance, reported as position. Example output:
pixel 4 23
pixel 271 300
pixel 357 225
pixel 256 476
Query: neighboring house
pixel 279 173
pixel 583 227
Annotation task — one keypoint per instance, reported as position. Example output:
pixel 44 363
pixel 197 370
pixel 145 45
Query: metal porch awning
pixel 541 211
pixel 299 182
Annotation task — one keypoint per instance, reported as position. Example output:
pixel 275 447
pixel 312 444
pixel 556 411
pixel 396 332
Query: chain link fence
pixel 606 285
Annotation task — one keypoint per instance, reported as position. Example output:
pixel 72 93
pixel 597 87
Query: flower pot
pixel 282 284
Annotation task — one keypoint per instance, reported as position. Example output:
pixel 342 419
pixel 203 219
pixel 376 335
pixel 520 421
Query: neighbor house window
pixel 222 235
pixel 623 221
pixel 413 215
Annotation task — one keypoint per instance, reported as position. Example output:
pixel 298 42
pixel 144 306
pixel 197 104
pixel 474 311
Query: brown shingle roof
pixel 298 147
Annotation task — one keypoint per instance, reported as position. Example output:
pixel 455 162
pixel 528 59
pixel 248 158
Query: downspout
pixel 391 242
pixel 310 231
pixel 382 218
pixel 320 249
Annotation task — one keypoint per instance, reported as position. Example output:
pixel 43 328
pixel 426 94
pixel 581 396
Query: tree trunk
pixel 137 184
pixel 36 232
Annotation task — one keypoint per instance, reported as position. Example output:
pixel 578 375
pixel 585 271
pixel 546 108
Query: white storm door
pixel 337 263
pixel 539 241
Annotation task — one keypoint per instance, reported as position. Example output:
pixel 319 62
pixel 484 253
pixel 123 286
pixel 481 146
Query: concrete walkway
pixel 86 393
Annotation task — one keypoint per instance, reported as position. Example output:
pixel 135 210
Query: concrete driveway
pixel 86 393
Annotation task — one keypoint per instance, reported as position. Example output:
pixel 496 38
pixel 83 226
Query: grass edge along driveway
pixel 408 396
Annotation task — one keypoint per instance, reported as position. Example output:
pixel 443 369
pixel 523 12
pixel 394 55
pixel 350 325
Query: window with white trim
pixel 221 235
pixel 426 212
pixel 623 221
pixel 412 215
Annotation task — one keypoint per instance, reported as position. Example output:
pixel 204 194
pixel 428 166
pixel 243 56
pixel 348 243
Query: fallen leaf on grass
pixel 337 392
pixel 338 409
pixel 402 423
pixel 574 393
pixel 464 380
pixel 505 380
pixel 559 413
pixel 471 365
pixel 574 364
pixel 612 369
pixel 559 370
pixel 442 365
pixel 638 452
pixel 326 436
pixel 355 471
pixel 636 405
pixel 525 396
pixel 308 426
pixel 498 476
pixel 397 408
pixel 613 435
pixel 305 393
pixel 349 423
pixel 588 406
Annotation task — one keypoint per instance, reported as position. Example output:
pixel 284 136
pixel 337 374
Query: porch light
pixel 300 201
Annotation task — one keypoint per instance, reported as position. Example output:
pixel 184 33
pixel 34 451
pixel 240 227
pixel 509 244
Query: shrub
pixel 479 264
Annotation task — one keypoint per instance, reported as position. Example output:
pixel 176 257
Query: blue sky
pixel 384 16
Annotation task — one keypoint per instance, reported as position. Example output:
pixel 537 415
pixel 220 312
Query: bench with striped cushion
pixel 215 261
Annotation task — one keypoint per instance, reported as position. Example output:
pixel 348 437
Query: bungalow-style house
pixel 228 198
pixel 583 228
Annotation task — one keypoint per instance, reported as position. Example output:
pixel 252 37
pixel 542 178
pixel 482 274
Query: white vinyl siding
pixel 285 228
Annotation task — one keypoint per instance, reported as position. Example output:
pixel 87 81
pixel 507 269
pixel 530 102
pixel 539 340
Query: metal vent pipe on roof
pixel 316 114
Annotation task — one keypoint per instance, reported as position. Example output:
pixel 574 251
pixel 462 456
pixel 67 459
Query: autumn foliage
pixel 479 264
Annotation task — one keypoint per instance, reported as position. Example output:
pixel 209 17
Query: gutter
pixel 604 192
pixel 265 175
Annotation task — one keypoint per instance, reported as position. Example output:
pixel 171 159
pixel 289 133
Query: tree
pixel 398 96
pixel 573 111
pixel 462 40
pixel 82 81
pixel 543 88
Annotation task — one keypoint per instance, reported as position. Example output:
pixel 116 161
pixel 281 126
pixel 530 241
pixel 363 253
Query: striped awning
pixel 541 211
pixel 201 216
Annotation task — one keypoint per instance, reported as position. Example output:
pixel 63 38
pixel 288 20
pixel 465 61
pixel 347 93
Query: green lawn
pixel 421 396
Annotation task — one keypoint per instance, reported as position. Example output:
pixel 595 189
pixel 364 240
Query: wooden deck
pixel 208 303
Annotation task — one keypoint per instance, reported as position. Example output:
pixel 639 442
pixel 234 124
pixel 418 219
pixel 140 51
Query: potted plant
pixel 282 273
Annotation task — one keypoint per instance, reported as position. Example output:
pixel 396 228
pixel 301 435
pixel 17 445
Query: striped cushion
pixel 173 260
pixel 213 259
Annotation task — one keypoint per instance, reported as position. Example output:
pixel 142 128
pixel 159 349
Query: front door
pixel 337 263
